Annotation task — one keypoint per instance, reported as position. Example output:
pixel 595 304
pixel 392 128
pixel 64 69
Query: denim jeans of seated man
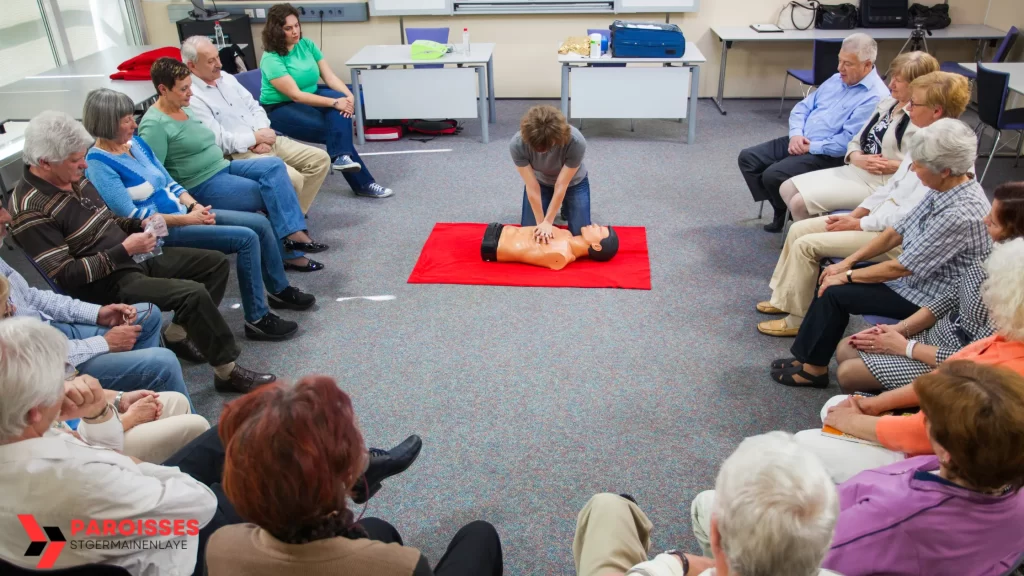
pixel 147 366
pixel 254 185
pixel 575 205
pixel 259 264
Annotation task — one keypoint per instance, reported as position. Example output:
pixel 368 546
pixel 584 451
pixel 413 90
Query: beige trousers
pixel 156 441
pixel 796 275
pixel 612 536
pixel 840 188
pixel 308 166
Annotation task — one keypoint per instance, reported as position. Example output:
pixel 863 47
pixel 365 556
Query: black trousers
pixel 826 321
pixel 474 551
pixel 190 282
pixel 766 166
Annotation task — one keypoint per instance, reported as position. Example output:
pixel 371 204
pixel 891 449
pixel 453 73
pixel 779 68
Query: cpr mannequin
pixel 519 244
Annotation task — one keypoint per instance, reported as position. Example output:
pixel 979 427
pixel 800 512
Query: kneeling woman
pixel 295 498
pixel 135 184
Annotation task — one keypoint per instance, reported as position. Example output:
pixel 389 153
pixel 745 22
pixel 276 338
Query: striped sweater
pixel 134 185
pixel 72 235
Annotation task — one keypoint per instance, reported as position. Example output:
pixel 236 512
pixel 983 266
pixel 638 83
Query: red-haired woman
pixel 293 455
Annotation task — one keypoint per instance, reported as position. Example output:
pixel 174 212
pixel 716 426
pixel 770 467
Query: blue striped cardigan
pixel 136 185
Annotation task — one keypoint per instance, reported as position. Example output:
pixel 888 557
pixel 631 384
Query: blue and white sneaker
pixel 375 191
pixel 345 163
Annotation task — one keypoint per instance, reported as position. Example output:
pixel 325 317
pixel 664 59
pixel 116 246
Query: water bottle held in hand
pixel 157 226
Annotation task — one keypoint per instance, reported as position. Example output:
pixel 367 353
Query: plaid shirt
pixel 943 237
pixel 52 307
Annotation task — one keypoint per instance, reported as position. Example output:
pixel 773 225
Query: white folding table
pixel 1014 69
pixel 729 34
pixel 396 93
pixel 667 90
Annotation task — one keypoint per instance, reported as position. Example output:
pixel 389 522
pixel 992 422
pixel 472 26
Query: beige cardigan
pixel 248 549
pixel 889 149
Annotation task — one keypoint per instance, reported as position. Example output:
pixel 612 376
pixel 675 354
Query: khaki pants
pixel 307 167
pixel 156 441
pixel 796 275
pixel 612 536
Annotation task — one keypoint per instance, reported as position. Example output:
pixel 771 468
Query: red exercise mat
pixel 451 255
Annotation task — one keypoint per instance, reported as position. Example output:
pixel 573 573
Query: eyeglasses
pixel 911 104
pixel 69 371
pixel 141 316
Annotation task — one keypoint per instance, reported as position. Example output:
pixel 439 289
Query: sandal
pixel 783 363
pixel 786 378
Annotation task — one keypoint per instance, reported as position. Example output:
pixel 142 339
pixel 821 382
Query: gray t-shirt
pixel 547 165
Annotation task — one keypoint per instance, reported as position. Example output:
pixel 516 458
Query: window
pixel 25 47
pixel 92 25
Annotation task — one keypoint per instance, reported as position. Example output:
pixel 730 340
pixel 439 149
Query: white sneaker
pixel 375 191
pixel 346 164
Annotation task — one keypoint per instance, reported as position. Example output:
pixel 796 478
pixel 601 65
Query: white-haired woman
pixel 872 156
pixel 888 356
pixel 942 238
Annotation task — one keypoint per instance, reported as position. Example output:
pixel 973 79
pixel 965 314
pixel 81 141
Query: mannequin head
pixel 604 242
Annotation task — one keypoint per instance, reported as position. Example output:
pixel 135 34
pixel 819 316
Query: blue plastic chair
pixel 993 88
pixel 1002 51
pixel 439 35
pixel 49 281
pixel 251 80
pixel 825 62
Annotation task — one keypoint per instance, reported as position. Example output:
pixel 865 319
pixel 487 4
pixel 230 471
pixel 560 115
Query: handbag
pixel 836 17
pixel 929 17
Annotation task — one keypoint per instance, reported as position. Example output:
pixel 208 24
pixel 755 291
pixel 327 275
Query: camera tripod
pixel 917 41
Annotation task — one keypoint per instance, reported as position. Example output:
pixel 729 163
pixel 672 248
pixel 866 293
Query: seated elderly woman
pixel 190 153
pixel 889 356
pixel 957 512
pixel 888 438
pixel 936 95
pixel 942 238
pixel 305 521
pixel 872 157
pixel 134 184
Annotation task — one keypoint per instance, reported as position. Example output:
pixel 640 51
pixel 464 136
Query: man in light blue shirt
pixel 820 126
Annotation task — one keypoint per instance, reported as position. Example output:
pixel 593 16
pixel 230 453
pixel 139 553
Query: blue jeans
pixel 253 185
pixel 147 366
pixel 322 126
pixel 259 254
pixel 575 205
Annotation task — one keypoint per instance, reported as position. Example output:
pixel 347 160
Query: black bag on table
pixel 929 17
pixel 836 17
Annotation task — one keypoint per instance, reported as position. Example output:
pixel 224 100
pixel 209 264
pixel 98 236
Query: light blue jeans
pixel 253 185
pixel 259 263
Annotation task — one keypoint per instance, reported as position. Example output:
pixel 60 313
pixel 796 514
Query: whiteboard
pixel 409 7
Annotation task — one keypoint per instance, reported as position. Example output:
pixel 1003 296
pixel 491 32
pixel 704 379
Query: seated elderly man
pixel 935 95
pixel 113 343
pixel 240 125
pixel 772 512
pixel 61 222
pixel 820 127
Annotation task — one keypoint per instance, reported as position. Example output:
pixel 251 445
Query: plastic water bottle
pixel 218 34
pixel 465 40
pixel 158 227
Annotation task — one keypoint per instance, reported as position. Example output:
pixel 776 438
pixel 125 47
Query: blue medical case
pixel 646 40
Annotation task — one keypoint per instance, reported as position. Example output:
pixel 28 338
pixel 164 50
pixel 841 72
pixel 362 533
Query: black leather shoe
pixel 186 350
pixel 311 266
pixel 270 327
pixel 778 223
pixel 291 298
pixel 384 464
pixel 311 247
pixel 242 380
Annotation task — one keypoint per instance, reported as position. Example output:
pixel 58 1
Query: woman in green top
pixel 300 108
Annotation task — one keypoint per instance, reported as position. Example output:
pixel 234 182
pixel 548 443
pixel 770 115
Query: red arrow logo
pixel 39 538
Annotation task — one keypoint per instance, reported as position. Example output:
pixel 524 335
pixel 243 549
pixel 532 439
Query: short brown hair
pixel 944 89
pixel 1010 214
pixel 544 127
pixel 166 72
pixel 976 412
pixel 911 65
pixel 273 30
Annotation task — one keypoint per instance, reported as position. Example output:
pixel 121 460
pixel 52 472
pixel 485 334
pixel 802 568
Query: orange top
pixel 908 434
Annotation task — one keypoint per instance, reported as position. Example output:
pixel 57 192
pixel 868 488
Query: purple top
pixel 902 519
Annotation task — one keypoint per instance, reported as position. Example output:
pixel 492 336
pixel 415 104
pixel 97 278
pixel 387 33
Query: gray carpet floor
pixel 530 400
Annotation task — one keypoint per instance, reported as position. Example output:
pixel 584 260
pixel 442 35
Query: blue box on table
pixel 646 40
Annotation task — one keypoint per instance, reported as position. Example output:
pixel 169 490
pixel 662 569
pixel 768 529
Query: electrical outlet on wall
pixel 250 12
pixel 261 13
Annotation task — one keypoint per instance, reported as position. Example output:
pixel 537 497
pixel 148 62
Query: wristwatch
pixel 117 402
pixel 849 276
pixel 682 557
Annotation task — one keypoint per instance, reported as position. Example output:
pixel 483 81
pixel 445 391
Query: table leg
pixel 721 76
pixel 565 91
pixel 483 104
pixel 980 52
pixel 357 102
pixel 490 89
pixel 691 113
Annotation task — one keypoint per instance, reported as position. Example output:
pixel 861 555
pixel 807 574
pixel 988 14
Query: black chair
pixel 825 62
pixel 8 569
pixel 992 90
